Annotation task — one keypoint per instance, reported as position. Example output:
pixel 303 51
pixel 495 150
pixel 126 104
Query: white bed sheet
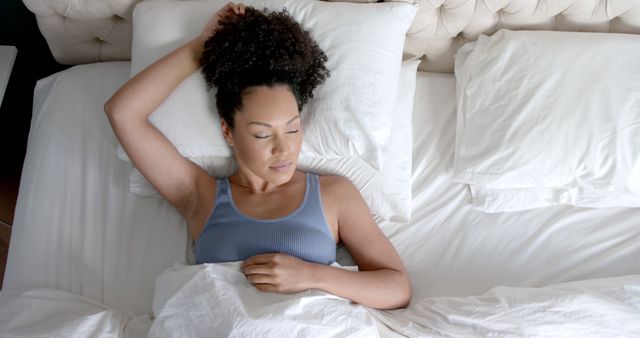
pixel 453 250
pixel 100 241
pixel 76 227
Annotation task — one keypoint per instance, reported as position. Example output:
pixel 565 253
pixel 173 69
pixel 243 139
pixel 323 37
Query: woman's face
pixel 268 133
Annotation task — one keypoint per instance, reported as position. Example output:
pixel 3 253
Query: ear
pixel 227 132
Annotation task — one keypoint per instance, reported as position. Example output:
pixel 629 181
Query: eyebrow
pixel 268 125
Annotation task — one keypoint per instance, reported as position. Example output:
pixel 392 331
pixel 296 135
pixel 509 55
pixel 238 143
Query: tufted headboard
pixel 100 30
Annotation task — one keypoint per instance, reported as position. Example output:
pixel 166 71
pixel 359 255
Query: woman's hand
pixel 278 273
pixel 229 9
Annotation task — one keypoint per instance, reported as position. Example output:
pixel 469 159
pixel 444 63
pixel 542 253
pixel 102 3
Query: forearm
pixel 143 93
pixel 381 289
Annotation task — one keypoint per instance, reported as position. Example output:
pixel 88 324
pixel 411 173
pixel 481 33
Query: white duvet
pixel 608 307
pixel 216 300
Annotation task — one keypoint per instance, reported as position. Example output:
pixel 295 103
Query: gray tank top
pixel 231 236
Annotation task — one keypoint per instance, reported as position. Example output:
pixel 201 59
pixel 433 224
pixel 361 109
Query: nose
pixel 280 145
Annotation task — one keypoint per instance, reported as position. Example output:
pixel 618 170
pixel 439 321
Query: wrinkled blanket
pixel 216 300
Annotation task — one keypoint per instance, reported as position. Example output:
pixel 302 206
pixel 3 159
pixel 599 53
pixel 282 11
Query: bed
pixel 88 258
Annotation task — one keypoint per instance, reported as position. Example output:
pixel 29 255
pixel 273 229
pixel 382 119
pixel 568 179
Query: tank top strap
pixel 223 195
pixel 313 186
pixel 314 204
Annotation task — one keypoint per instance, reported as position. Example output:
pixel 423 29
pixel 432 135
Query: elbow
pixel 111 111
pixel 107 108
pixel 407 300
pixel 402 293
pixel 406 292
pixel 113 106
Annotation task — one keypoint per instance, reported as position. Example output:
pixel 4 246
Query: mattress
pixel 78 229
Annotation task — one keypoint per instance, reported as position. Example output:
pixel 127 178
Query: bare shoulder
pixel 340 192
pixel 335 184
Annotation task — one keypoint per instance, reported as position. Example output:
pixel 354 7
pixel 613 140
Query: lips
pixel 281 166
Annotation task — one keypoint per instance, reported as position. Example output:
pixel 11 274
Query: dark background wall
pixel 34 61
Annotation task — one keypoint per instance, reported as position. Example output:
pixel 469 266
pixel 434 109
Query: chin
pixel 281 176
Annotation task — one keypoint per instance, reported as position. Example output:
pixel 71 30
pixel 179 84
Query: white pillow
pixel 549 118
pixel 350 114
pixel 387 192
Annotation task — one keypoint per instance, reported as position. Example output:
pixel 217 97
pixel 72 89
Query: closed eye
pixel 293 131
pixel 260 136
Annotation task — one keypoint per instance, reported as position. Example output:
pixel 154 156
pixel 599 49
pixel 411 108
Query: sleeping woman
pixel 283 223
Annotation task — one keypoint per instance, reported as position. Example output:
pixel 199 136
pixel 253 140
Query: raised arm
pixel 177 179
pixel 128 110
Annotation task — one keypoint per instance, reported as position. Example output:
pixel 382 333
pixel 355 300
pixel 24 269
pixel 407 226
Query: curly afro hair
pixel 261 48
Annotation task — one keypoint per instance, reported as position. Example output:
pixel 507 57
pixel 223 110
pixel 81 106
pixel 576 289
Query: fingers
pixel 272 272
pixel 259 259
pixel 260 279
pixel 267 288
pixel 264 269
pixel 234 8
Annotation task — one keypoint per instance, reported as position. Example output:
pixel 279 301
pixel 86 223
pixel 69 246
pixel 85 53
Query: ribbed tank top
pixel 231 236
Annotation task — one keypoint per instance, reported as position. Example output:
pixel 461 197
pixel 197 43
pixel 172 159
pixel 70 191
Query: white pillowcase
pixel 350 114
pixel 549 118
pixel 387 192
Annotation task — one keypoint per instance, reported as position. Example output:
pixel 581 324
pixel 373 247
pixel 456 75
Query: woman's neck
pixel 252 183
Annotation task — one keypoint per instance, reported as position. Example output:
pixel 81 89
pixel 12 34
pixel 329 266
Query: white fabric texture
pixel 451 249
pixel 78 229
pixel 76 226
pixel 549 118
pixel 43 312
pixel 349 115
pixel 217 300
pixel 387 192
pixel 592 308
